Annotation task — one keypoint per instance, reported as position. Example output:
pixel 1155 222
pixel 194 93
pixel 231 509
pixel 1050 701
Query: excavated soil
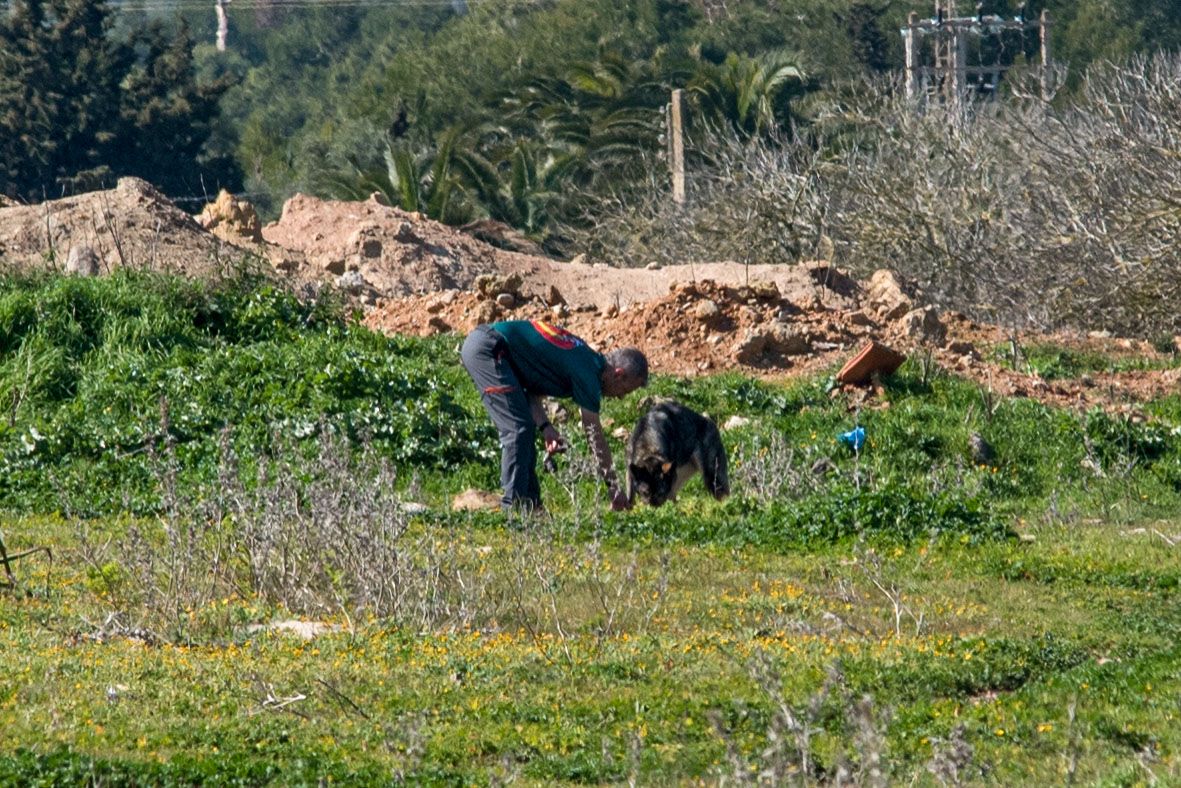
pixel 414 276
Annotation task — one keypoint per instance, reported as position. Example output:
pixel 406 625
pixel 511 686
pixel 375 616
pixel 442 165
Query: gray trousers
pixel 485 357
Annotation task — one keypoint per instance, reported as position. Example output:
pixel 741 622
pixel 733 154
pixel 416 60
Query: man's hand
pixel 553 440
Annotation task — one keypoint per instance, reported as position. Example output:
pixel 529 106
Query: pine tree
pixel 79 108
pixel 59 96
pixel 161 101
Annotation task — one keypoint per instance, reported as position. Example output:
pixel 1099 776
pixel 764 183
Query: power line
pixel 182 5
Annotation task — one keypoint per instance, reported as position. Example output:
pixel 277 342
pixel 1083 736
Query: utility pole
pixel 223 25
pixel 676 147
pixel 913 79
pixel 949 52
pixel 950 73
pixel 1044 38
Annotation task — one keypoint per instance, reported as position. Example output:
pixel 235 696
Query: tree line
pixel 516 112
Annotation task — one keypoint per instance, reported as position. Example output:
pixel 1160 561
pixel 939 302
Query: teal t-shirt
pixel 552 362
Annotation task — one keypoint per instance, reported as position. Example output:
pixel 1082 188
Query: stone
pixel 765 291
pixel 734 422
pixel 230 218
pixel 305 630
pixel 506 300
pixel 653 266
pixel 488 312
pixel 351 282
pixel 923 325
pixel 559 311
pixel 82 261
pixel 491 285
pixel 888 295
pixel 578 259
pixel 859 318
pixel 472 500
pixel 406 234
pixel 706 310
pixel 962 348
pixel 772 340
pixel 980 450
pixel 611 310
pixel 554 297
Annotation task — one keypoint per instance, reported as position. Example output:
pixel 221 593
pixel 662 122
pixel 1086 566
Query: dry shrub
pixel 775 470
pixel 1023 211
pixel 789 757
pixel 327 535
pixel 322 535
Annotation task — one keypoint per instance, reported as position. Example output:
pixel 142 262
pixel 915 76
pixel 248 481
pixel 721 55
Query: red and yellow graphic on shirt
pixel 559 337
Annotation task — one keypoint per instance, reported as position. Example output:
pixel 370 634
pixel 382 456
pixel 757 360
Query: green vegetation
pixel 101 377
pixel 106 382
pixel 205 459
pixel 1011 663
pixel 1053 362
pixel 567 92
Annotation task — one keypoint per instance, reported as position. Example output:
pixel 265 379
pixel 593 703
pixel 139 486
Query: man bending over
pixel 515 364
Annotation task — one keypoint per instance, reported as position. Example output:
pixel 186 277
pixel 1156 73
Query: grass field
pixel 910 615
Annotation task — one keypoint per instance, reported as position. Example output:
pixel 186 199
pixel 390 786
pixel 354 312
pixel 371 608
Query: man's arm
pixel 598 443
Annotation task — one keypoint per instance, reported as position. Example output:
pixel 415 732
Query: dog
pixel 669 445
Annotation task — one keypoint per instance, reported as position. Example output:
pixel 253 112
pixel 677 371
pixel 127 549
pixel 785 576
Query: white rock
pixel 734 422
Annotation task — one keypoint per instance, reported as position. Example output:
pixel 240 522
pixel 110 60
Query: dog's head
pixel 652 480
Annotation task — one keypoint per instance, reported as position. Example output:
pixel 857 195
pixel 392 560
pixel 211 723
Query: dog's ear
pixel 653 463
pixel 664 468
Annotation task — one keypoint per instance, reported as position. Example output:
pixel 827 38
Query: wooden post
pixel 959 49
pixel 223 25
pixel 912 55
pixel 1044 37
pixel 677 147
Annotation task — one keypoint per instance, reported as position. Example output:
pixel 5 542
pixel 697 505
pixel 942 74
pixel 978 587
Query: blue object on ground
pixel 854 438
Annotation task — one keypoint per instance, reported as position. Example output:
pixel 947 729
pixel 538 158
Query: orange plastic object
pixel 873 357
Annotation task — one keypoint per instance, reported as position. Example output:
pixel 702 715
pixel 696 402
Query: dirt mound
pixel 417 276
pixel 132 225
pixel 703 327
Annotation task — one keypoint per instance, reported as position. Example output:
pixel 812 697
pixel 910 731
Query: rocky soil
pixel 415 276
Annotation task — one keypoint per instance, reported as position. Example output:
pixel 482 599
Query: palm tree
pixel 598 118
pixel 428 180
pixel 749 93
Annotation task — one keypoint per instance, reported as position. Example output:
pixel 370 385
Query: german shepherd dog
pixel 668 446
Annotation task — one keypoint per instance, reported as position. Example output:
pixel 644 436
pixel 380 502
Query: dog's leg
pixel 714 475
pixel 684 474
